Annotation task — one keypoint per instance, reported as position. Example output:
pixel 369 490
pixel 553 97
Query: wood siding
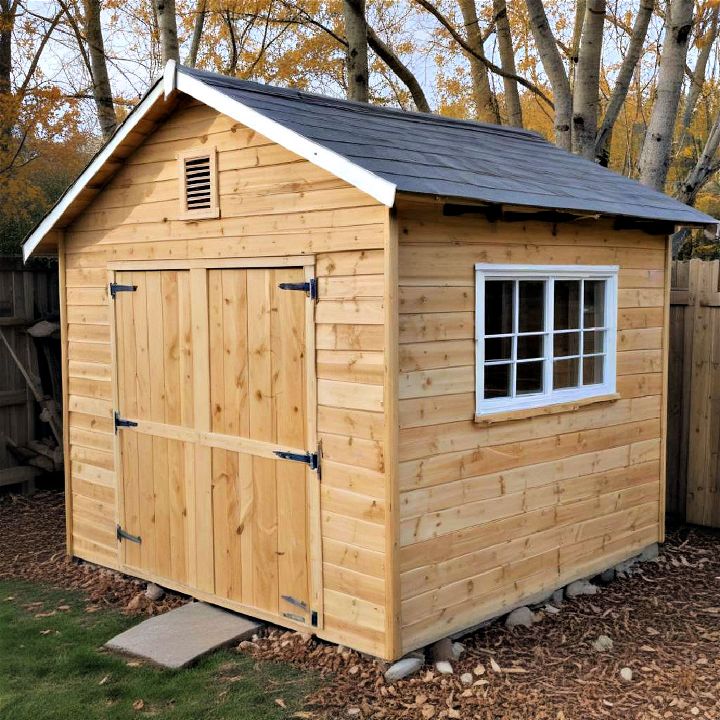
pixel 491 515
pixel 272 203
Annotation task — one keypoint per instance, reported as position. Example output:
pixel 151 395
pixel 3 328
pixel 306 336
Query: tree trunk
pixel 102 90
pixel 7 22
pixel 655 156
pixel 200 14
pixel 167 29
pixel 580 7
pixel 698 75
pixel 700 174
pixel 357 50
pixel 622 82
pixel 586 94
pixel 486 108
pixel 388 56
pixel 507 62
pixel 554 69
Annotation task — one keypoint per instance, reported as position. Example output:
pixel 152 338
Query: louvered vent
pixel 198 183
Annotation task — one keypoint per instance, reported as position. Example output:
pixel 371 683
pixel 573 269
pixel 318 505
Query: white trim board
pixel 174 78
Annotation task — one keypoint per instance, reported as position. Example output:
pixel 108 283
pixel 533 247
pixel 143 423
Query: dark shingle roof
pixel 431 154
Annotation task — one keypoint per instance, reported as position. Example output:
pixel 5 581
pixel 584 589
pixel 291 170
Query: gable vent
pixel 198 189
pixel 198 184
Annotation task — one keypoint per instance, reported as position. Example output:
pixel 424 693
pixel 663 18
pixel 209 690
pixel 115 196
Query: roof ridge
pixel 354 105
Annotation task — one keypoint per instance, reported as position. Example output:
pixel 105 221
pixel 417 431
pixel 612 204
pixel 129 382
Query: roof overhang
pixel 163 89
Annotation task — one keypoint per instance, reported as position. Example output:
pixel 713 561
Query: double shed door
pixel 212 367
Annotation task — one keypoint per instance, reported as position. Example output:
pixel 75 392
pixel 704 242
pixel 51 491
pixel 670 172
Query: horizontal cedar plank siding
pixel 272 203
pixel 493 515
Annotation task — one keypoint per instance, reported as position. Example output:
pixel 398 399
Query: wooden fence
pixel 26 296
pixel 693 448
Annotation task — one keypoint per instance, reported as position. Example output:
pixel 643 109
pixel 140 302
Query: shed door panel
pixel 155 388
pixel 258 393
pixel 232 389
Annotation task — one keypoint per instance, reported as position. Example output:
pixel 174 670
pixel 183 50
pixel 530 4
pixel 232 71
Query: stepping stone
pixel 184 635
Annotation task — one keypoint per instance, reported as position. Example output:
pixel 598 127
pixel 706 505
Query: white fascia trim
pixel 380 189
pixel 47 224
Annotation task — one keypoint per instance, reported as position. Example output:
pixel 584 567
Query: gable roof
pixel 383 150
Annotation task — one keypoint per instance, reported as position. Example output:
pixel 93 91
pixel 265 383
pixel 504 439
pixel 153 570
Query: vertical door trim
pixel 314 552
pixel 117 453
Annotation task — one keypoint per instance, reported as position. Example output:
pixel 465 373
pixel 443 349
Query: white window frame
pixel 547 273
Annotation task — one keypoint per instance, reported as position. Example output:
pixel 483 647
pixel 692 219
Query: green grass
pixel 54 668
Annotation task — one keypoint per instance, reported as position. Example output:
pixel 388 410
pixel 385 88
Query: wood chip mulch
pixel 32 547
pixel 664 621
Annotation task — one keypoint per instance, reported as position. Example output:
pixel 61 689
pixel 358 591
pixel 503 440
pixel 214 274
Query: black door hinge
pixel 314 618
pixel 123 535
pixel 115 288
pixel 121 422
pixel 311 459
pixel 310 288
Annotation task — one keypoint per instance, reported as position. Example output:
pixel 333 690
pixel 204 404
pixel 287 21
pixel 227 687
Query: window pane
pixel 531 306
pixel 497 381
pixel 529 378
pixel 566 344
pixel 498 348
pixel 593 342
pixel 530 346
pixel 594 302
pixel 498 306
pixel 593 369
pixel 567 304
pixel 565 373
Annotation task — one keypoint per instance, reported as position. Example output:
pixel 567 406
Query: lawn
pixel 52 666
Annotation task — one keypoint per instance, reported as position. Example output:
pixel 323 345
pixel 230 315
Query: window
pixel 544 335
pixel 198 184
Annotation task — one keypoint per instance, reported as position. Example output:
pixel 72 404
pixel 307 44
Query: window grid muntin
pixel 549 395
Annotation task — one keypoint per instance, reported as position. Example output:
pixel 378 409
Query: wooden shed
pixel 369 374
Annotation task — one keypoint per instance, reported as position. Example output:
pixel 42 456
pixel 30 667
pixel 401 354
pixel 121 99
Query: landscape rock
pixel 353 711
pixel 520 617
pixel 580 587
pixel 607 576
pixel 444 667
pixel 651 552
pixel 551 609
pixel 442 650
pixel 557 597
pixel 154 592
pixel 467 678
pixel 626 674
pixel 603 644
pixel 457 650
pixel 402 668
pixel 625 568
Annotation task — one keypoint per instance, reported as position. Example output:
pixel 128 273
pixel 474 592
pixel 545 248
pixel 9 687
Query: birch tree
pixel 357 50
pixel 705 42
pixel 198 25
pixel 507 62
pixel 102 90
pixel 486 107
pixel 619 94
pixel 167 29
pixel 586 95
pixel 656 151
pixel 554 66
